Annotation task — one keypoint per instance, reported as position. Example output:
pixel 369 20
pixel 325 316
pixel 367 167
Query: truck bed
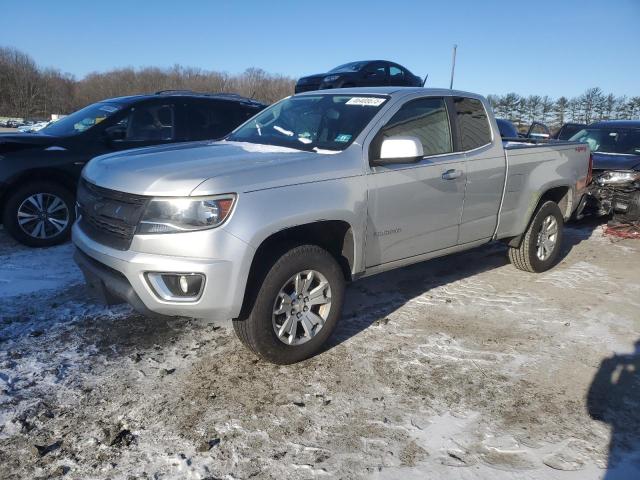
pixel 530 164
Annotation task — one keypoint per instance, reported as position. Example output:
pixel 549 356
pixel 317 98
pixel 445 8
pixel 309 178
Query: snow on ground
pixel 34 270
pixel 460 368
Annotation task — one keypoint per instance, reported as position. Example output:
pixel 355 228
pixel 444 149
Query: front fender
pixel 258 215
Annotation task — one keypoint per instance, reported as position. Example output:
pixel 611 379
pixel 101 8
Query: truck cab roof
pixel 394 91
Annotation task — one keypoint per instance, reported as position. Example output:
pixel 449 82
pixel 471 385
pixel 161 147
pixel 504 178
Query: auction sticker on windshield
pixel 366 101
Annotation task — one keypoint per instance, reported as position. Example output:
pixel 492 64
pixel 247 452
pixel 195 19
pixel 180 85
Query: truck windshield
pixel 311 122
pixel 623 141
pixel 81 120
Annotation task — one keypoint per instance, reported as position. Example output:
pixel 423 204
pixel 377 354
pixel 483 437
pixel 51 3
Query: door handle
pixel 451 174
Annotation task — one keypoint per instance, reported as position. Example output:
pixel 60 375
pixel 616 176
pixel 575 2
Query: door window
pixel 473 123
pixel 148 123
pixel 396 74
pixel 211 120
pixel 375 71
pixel 425 119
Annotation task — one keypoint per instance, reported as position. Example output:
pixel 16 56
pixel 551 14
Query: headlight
pixel 331 78
pixel 171 215
pixel 618 177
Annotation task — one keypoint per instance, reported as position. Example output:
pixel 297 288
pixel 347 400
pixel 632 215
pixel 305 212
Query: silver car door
pixel 485 167
pixel 415 208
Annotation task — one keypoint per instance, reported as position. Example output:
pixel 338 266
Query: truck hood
pixel 608 161
pixel 13 142
pixel 207 168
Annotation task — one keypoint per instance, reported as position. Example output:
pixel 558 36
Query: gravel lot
pixel 459 368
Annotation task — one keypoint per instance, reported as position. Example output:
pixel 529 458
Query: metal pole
pixel 453 66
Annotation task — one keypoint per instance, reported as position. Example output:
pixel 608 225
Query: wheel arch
pixel 562 195
pixel 65 179
pixel 335 236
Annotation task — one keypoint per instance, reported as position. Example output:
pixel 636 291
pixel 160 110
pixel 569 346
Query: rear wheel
pixel 39 214
pixel 541 244
pixel 296 307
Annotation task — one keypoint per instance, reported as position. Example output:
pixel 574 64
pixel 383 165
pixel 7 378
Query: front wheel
pixel 540 247
pixel 296 308
pixel 39 214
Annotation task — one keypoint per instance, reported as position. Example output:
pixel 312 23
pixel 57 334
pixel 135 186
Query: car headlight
pixel 186 214
pixel 618 177
pixel 331 78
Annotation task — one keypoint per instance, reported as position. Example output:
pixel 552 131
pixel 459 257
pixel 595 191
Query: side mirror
pixel 397 150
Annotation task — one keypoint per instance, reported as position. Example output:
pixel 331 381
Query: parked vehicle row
pixel 266 226
pixel 39 172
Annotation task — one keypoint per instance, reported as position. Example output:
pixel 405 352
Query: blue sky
pixel 546 47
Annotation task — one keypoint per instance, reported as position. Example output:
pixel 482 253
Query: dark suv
pixel 369 73
pixel 39 171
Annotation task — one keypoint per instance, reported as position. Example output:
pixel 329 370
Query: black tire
pixel 52 235
pixel 525 257
pixel 256 329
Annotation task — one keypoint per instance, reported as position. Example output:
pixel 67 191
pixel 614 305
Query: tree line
pixel 591 106
pixel 29 91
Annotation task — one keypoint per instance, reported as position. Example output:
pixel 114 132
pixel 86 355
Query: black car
pixel 568 130
pixel 370 73
pixel 507 128
pixel 39 171
pixel 615 153
pixel 536 131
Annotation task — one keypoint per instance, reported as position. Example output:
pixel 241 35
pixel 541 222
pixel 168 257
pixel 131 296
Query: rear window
pixel 473 122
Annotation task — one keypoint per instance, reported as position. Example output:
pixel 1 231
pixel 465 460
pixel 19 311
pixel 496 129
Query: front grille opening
pixel 107 216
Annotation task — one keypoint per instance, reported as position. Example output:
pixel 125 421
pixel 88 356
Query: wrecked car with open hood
pixel 615 147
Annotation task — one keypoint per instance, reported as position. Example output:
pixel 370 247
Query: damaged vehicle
pixel 615 147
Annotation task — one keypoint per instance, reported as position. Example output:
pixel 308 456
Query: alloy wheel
pixel 547 238
pixel 43 215
pixel 301 307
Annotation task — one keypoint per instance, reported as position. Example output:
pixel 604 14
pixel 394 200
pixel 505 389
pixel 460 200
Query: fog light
pixel 176 287
pixel 184 285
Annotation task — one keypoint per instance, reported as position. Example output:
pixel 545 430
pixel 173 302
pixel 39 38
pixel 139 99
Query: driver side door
pixel 415 208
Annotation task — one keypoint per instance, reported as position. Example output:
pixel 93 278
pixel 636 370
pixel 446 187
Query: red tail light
pixel 590 172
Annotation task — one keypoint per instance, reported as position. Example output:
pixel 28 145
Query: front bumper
pixel 115 275
pixel 614 199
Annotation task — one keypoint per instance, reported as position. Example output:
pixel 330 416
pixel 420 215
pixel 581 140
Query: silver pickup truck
pixel 268 225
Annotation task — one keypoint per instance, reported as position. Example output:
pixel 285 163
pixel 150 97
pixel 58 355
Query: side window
pixel 396 73
pixel 149 123
pixel 473 123
pixel 375 70
pixel 425 119
pixel 211 120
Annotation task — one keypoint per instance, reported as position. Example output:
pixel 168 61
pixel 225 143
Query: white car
pixel 33 128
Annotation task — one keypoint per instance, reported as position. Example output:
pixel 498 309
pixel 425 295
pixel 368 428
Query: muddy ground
pixel 461 368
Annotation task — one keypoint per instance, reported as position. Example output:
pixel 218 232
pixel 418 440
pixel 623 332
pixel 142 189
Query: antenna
pixel 424 82
pixel 453 66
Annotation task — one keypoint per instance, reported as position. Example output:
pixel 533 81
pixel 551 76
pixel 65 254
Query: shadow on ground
pixel 614 398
